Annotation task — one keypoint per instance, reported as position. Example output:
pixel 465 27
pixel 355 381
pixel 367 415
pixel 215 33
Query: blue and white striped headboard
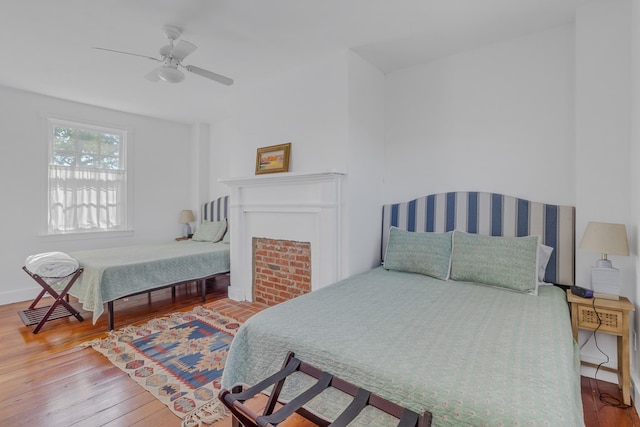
pixel 492 215
pixel 215 210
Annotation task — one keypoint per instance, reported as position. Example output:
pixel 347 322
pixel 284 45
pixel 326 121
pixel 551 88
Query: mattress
pixel 468 353
pixel 113 273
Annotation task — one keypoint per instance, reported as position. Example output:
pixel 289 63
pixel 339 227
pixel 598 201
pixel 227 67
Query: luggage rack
pixel 235 398
pixel 60 307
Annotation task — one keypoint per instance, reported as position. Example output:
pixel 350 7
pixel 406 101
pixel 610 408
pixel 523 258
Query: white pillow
pixel 544 254
pixel 210 231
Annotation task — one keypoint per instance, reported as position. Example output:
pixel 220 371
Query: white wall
pixel 201 166
pixel 603 151
pixel 497 119
pixel 366 165
pixel 161 151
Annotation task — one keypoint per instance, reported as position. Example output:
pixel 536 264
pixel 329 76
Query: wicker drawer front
pixel 611 320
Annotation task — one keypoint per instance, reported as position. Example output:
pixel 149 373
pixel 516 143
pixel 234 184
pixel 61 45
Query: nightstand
pixel 614 317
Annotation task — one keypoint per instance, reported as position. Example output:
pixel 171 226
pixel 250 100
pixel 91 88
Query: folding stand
pixel 234 400
pixel 59 309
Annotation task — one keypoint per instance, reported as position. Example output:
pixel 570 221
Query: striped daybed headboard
pixel 215 210
pixel 493 215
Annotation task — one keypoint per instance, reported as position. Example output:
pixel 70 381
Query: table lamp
pixel 606 239
pixel 186 216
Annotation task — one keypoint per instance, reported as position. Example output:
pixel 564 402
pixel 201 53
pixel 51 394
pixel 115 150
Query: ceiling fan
pixel 171 57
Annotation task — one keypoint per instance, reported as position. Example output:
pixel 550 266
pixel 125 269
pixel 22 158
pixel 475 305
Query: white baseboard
pixel 26 294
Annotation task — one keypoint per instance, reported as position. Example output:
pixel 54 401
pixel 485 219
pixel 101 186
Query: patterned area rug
pixel 179 359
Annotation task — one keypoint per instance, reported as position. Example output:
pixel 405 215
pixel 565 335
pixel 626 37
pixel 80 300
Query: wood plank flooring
pixel 46 379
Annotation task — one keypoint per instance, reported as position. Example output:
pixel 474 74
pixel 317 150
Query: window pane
pixel 63 134
pixel 63 145
pixel 89 147
pixel 87 136
pixel 87 161
pixel 110 148
pixel 61 159
pixel 111 163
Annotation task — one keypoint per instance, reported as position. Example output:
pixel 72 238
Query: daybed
pixel 481 352
pixel 114 273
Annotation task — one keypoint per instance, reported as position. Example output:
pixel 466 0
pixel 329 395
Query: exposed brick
pixel 300 265
pixel 282 270
pixel 282 263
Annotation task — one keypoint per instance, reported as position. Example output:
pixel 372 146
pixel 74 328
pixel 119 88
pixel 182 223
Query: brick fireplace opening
pixel 281 270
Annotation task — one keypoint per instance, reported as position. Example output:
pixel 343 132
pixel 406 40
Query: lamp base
pixel 605 281
pixel 186 230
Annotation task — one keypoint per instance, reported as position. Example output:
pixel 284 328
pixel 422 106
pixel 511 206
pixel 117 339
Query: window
pixel 87 178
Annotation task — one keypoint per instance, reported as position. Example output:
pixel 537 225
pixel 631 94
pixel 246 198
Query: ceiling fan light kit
pixel 171 75
pixel 171 56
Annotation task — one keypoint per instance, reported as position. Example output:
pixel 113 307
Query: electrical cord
pixel 605 398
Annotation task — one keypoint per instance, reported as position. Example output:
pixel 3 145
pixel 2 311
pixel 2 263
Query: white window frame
pixel 123 227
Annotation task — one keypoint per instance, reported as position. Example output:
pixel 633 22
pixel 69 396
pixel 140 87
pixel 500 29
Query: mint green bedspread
pixel 470 354
pixel 113 273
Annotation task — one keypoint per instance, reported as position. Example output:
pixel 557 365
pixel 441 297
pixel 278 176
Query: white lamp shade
pixel 186 216
pixel 605 238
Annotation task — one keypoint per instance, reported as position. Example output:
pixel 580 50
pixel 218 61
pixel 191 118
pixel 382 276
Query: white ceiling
pixel 47 44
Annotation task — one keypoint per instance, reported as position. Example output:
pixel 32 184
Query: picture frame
pixel 272 159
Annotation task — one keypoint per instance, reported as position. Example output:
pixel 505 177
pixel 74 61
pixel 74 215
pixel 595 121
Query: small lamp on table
pixel 606 239
pixel 186 216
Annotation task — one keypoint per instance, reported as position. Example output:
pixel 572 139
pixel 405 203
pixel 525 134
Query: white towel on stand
pixel 51 265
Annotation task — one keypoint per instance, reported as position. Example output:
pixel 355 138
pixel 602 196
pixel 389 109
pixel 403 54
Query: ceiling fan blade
pixel 209 74
pixel 128 53
pixel 182 49
pixel 153 76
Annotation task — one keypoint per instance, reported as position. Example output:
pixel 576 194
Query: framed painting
pixel 274 158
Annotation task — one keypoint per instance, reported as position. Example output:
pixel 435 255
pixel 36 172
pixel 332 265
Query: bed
pixel 114 273
pixel 470 352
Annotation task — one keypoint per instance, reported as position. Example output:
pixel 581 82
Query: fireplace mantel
pixel 303 207
pixel 271 179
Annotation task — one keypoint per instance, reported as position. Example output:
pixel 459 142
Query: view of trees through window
pixel 84 148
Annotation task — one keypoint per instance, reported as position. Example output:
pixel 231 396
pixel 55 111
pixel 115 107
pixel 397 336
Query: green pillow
pixel 210 231
pixel 418 252
pixel 505 262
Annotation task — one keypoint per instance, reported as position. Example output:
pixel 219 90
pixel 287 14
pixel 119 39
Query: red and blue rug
pixel 179 359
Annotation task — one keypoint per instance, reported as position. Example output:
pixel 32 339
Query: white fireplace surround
pixel 304 207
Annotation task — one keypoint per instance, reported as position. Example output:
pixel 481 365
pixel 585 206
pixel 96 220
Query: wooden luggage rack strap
pixel 235 398
pixel 60 307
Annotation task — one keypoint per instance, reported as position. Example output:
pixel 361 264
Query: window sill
pixel 85 235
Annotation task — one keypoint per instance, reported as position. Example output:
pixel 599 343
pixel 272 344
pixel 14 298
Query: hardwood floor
pixel 46 379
